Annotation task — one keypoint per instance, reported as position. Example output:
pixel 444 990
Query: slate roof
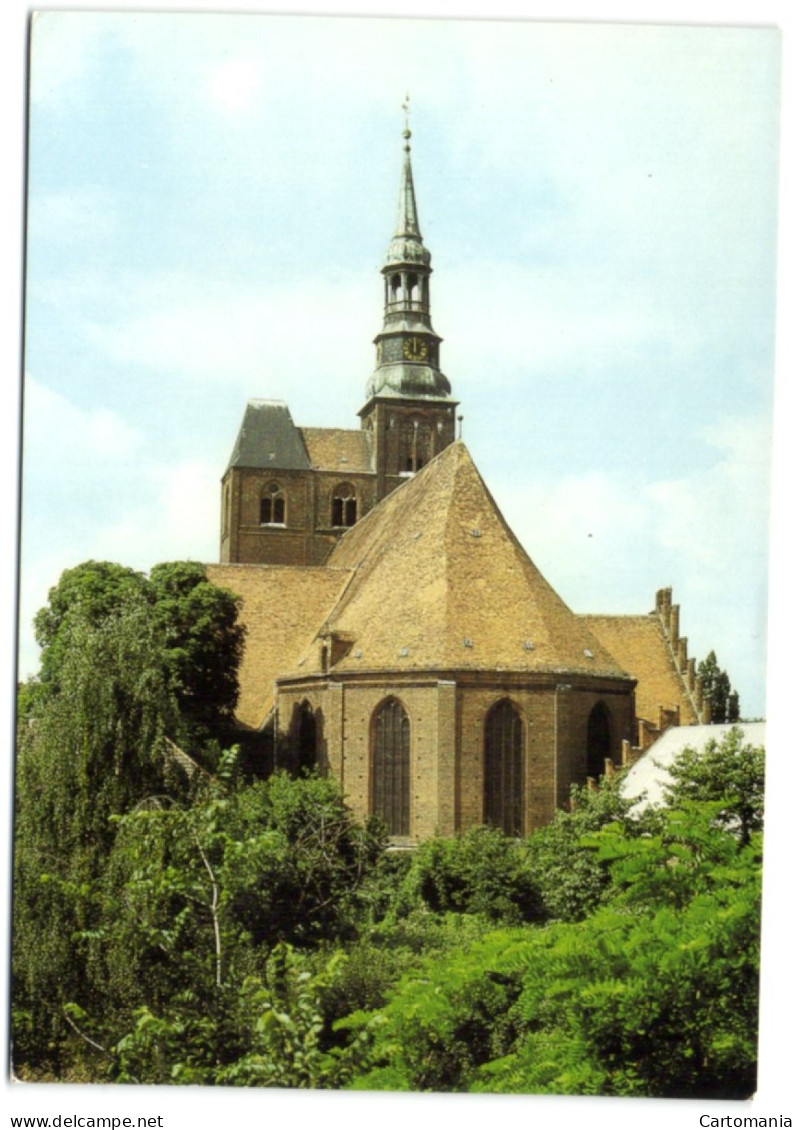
pixel 649 775
pixel 640 647
pixel 282 606
pixel 269 438
pixel 338 449
pixel 440 582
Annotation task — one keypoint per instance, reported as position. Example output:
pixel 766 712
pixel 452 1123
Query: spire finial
pixel 406 134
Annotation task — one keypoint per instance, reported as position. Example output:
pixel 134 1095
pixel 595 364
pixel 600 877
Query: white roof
pixel 649 774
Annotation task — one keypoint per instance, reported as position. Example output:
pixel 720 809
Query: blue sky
pixel 210 198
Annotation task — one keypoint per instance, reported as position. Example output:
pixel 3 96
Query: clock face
pixel 415 349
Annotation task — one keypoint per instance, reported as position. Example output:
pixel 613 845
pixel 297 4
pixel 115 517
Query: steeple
pixel 407 346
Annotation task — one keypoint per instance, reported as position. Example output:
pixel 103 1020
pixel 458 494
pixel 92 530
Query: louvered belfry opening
pixel 391 767
pixel 504 769
pixel 598 743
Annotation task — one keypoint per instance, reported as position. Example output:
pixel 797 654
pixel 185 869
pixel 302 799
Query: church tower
pixel 409 411
pixel 289 492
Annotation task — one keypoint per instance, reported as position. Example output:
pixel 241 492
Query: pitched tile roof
pixel 269 438
pixel 641 649
pixel 440 581
pixel 338 449
pixel 282 606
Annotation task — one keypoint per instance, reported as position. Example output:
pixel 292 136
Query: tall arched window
pixel 598 740
pixel 415 444
pixel 390 767
pixel 344 505
pixel 306 739
pixel 272 506
pixel 504 769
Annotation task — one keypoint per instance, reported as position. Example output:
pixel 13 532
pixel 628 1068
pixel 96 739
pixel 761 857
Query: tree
pixel 202 642
pixel 481 872
pixel 93 590
pixel 655 993
pixel 729 773
pixel 92 749
pixel 717 690
pixel 127 663
pixel 570 877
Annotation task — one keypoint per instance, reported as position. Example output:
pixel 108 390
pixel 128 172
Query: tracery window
pixel 272 507
pixel 503 764
pixel 598 740
pixel 390 767
pixel 344 505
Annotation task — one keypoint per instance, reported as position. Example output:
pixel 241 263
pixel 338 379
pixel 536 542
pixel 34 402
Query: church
pixel 399 638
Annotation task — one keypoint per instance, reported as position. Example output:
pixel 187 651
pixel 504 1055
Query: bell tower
pixel 409 409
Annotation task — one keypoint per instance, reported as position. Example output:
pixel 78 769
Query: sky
pixel 209 201
pixel 211 215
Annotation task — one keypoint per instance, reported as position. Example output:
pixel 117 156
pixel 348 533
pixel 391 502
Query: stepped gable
pixel 281 608
pixel 338 449
pixel 440 582
pixel 639 644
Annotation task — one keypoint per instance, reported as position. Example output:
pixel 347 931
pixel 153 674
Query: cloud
pixel 599 537
pixel 63 440
pixel 235 84
pixel 219 332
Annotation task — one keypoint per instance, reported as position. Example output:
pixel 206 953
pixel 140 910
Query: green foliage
pixel 203 644
pixel 125 662
pixel 571 878
pixel 717 689
pixel 446 1019
pixel 296 861
pixel 256 934
pixel 90 751
pixel 654 994
pixel 93 591
pixel 193 898
pixel 482 872
pixel 263 1032
pixel 727 772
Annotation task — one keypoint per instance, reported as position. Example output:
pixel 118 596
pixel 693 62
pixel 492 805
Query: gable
pixel 639 645
pixel 281 609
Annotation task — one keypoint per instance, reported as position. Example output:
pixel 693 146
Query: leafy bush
pixel 481 872
pixel 571 878
pixel 655 993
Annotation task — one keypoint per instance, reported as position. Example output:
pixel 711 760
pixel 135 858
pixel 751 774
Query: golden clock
pixel 415 349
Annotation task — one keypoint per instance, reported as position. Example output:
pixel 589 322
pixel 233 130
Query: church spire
pixel 407 221
pixel 407 346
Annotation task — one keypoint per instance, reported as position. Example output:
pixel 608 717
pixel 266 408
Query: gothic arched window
pixel 306 739
pixel 390 767
pixel 344 505
pixel 598 740
pixel 504 769
pixel 272 506
pixel 415 445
